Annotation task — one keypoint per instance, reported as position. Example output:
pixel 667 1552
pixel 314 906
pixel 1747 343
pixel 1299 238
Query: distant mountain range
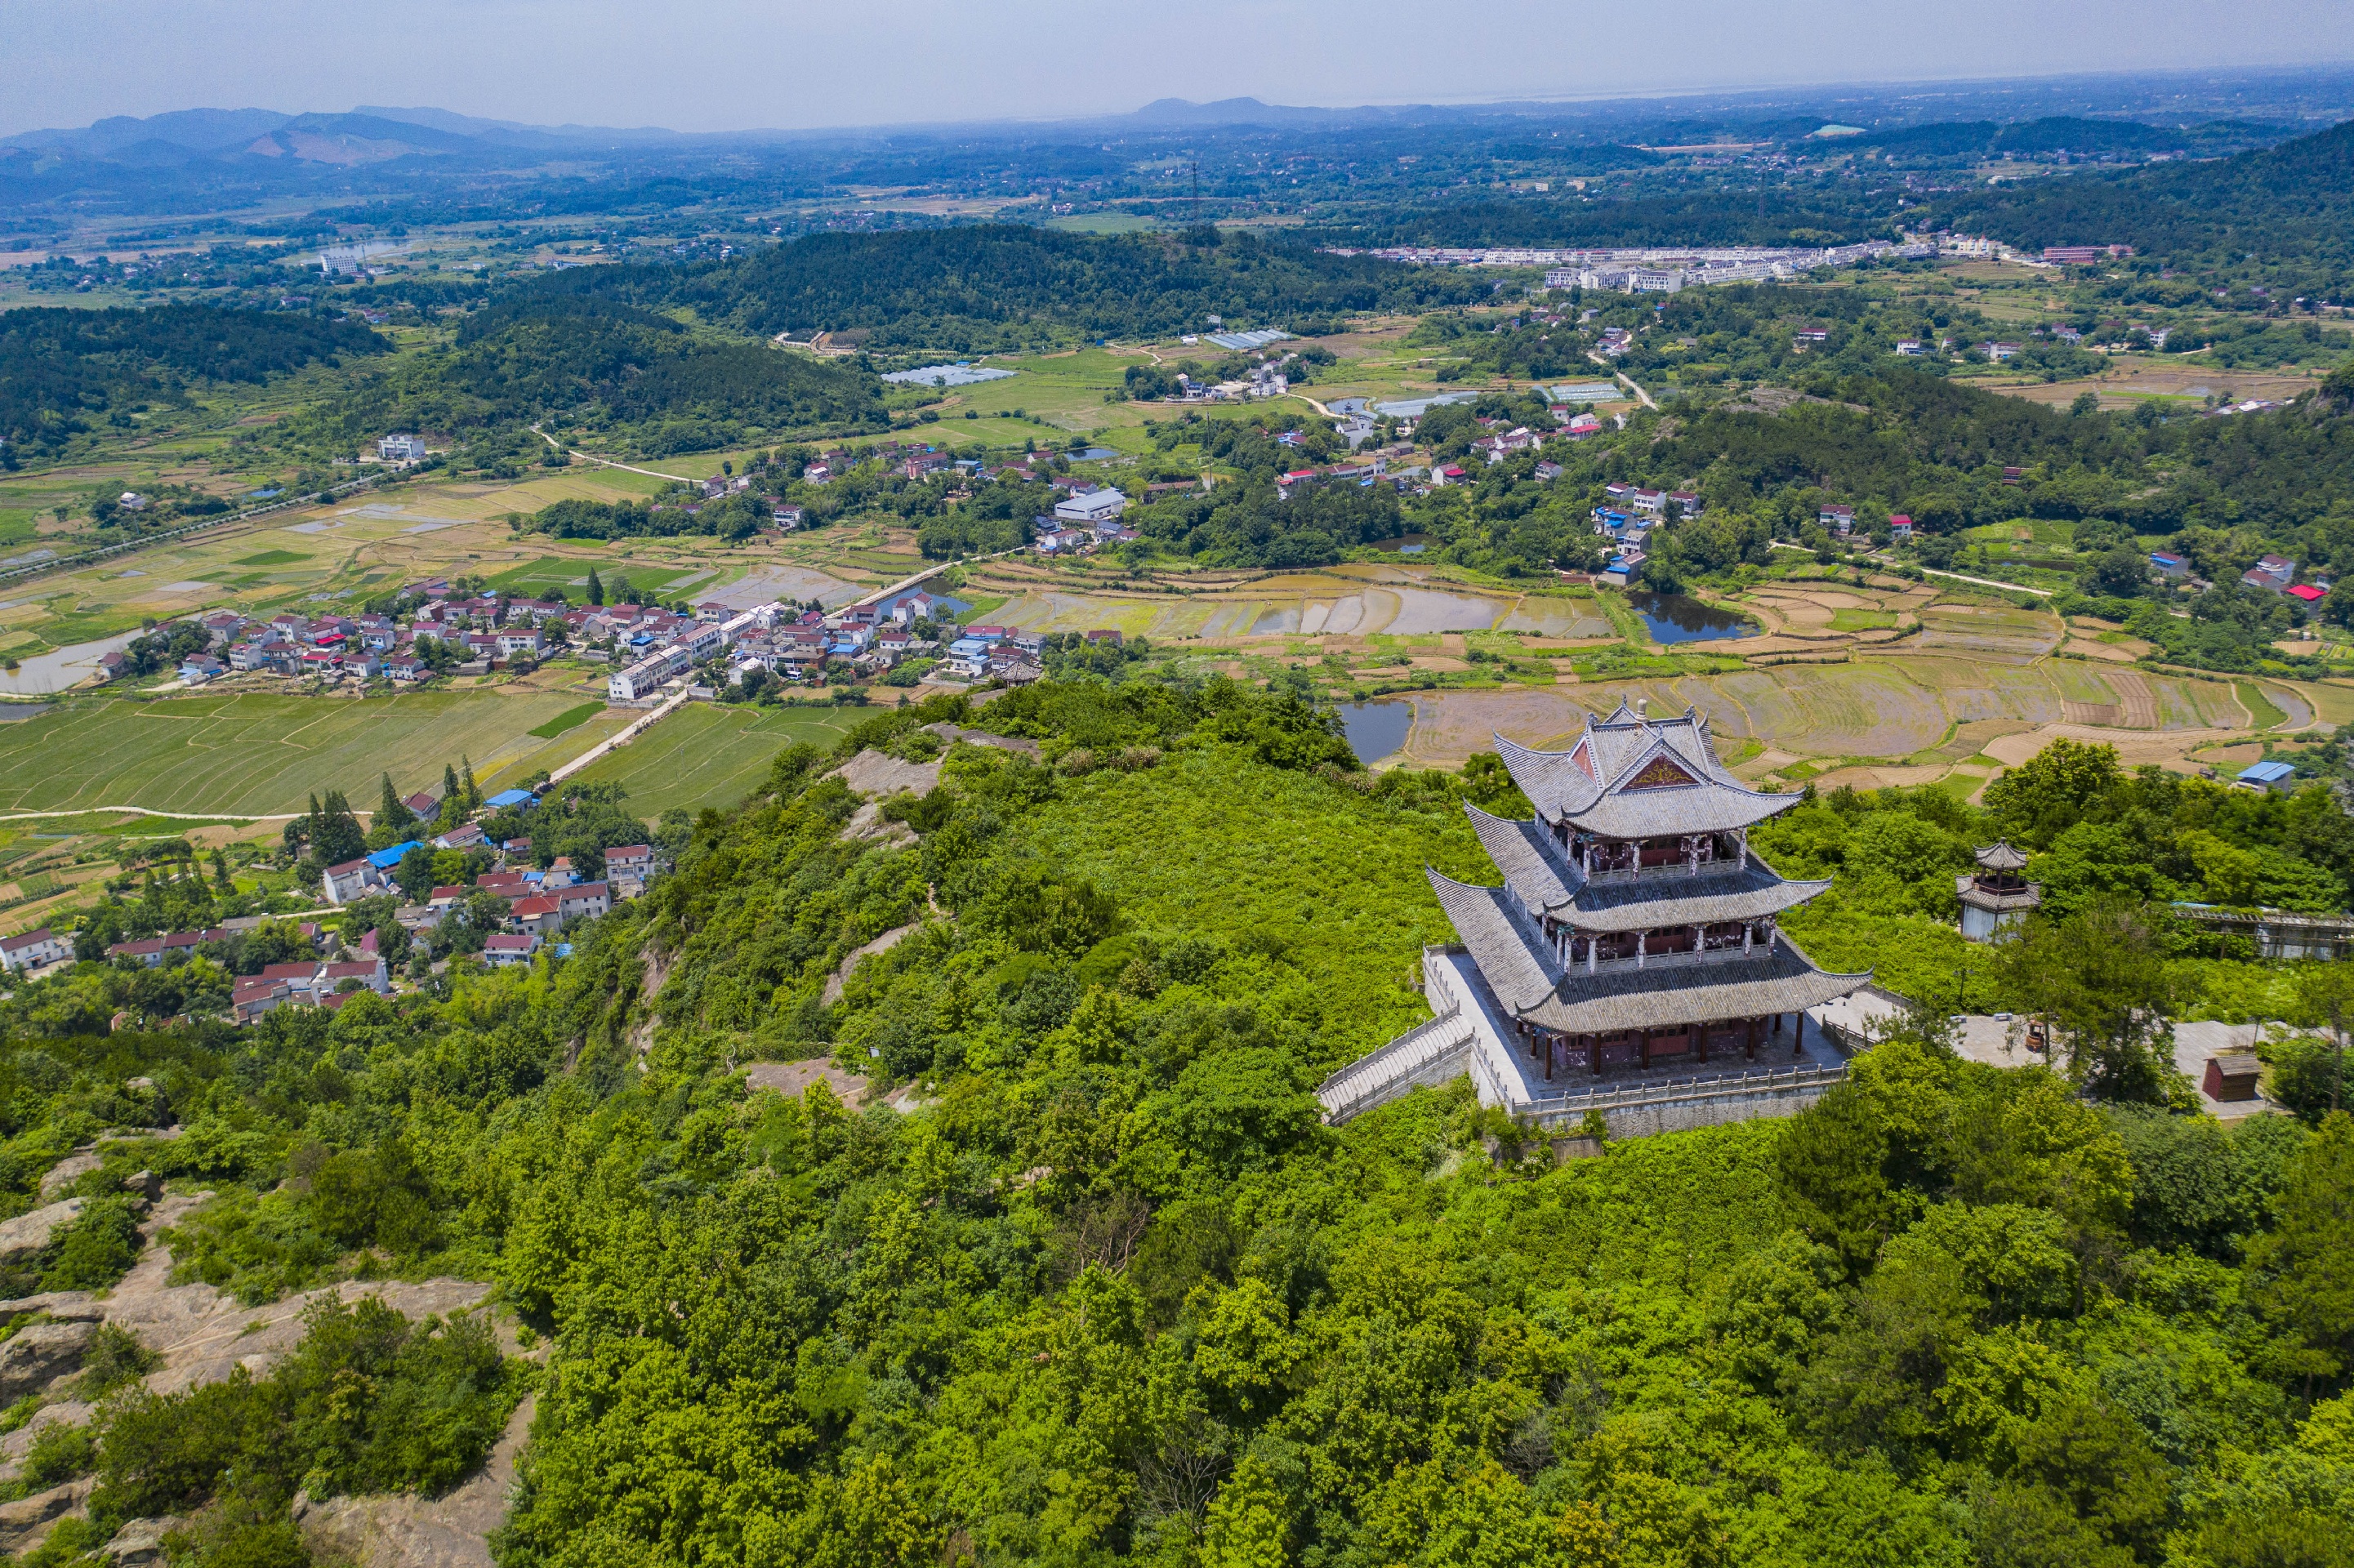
pixel 368 134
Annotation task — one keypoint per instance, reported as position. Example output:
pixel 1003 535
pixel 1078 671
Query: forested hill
pixel 1109 1291
pixel 634 378
pixel 61 368
pixel 1003 286
pixel 2290 208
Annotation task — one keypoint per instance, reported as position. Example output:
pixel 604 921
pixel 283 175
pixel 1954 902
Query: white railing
pixel 1661 960
pixel 1689 870
pixel 1618 1097
pixel 1370 1078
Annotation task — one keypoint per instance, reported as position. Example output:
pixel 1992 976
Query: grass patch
pixel 2262 710
pixel 271 558
pixel 570 719
pixel 1860 619
pixel 712 755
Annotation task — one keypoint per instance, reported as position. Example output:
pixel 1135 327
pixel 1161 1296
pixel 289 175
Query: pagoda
pixel 1998 894
pixel 1634 922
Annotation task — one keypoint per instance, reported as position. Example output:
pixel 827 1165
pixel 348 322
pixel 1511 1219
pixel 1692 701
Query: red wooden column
pixel 1749 1041
pixel 1549 1047
pixel 1647 1047
pixel 1698 1034
pixel 1800 1048
pixel 1594 1053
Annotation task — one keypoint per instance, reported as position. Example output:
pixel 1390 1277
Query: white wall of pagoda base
pixel 1680 1108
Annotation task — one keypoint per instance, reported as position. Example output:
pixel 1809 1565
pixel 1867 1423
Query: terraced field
pixel 257 755
pixel 1931 710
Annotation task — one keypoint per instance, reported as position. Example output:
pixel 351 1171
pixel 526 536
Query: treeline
pixel 62 369
pixel 1006 287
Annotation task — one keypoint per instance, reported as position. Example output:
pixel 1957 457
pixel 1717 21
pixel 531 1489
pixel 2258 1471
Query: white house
pixel 401 449
pixel 1094 506
pixel 32 949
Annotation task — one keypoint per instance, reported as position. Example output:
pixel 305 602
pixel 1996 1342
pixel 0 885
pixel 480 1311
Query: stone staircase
pixel 1397 1067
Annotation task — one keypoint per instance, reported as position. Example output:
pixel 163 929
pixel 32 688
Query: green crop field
pixel 256 755
pixel 710 756
pixel 570 576
pixel 272 559
pixel 570 719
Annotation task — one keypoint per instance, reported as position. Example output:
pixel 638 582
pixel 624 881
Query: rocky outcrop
pixel 140 1543
pixel 24 1523
pixel 411 1531
pixel 67 1172
pixel 25 1236
pixel 38 1354
pixel 202 1336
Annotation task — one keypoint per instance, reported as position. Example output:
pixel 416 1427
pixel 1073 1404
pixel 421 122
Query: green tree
pixel 2306 1264
pixel 596 587
pixel 2051 790
pixel 2102 979
pixel 391 811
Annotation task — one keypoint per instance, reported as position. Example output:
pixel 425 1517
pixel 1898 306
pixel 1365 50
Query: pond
pixel 1376 729
pixel 1093 454
pixel 1407 544
pixel 1680 617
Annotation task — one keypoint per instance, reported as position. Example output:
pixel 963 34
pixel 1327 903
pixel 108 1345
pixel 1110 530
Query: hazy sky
pixel 714 65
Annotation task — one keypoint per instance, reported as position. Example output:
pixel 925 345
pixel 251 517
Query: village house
pixel 508 949
pixel 32 950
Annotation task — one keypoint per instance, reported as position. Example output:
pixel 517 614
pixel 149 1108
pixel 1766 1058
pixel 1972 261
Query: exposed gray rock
pixel 164 1133
pixel 38 1354
pixel 144 1185
pixel 19 1443
pixel 26 1520
pixel 140 1542
pixel 411 1531
pixel 67 1172
pixel 27 1235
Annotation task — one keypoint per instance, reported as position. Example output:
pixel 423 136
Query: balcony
pixel 1664 960
pixel 1677 870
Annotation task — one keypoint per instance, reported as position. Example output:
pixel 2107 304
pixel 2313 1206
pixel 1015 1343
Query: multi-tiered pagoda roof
pixel 1632 905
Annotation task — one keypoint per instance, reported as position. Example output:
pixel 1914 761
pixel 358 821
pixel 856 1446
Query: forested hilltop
pixel 1099 1287
pixel 994 287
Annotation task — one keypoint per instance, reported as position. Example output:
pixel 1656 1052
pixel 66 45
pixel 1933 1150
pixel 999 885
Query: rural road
pixel 608 462
pixel 177 816
pixel 1619 377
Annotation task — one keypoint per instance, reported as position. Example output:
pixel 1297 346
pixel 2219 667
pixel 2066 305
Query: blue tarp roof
pixel 506 798
pixel 386 859
pixel 2265 772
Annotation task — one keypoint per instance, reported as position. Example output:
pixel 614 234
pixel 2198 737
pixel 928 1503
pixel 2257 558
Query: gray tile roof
pixel 1530 985
pixel 1648 903
pixel 1620 748
pixel 1521 852
pixel 1543 887
pixel 2000 856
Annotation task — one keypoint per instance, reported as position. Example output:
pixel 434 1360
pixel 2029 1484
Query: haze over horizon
pixel 729 65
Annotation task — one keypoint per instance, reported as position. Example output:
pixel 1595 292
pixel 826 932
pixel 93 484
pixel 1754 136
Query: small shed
pixel 2231 1076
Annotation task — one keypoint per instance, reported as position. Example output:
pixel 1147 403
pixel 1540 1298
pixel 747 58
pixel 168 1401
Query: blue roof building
pixel 506 798
pixel 2277 777
pixel 386 859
